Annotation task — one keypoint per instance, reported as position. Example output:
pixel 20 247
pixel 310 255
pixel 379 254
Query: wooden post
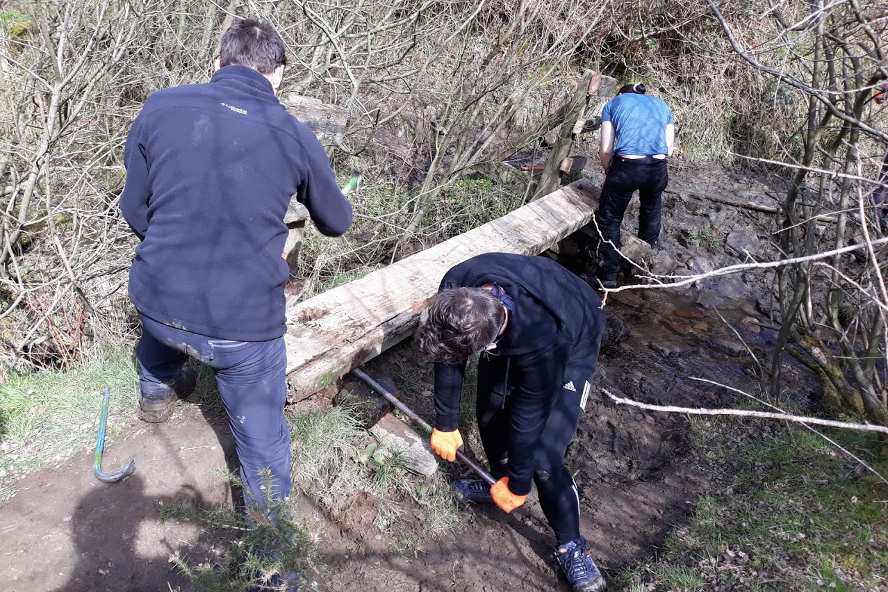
pixel 572 125
pixel 328 123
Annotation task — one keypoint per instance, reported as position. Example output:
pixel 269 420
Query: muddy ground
pixel 638 472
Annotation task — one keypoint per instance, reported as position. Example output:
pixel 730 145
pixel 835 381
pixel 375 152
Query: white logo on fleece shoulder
pixel 235 109
pixel 570 386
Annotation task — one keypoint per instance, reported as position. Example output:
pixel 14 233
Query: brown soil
pixel 635 471
pixel 65 531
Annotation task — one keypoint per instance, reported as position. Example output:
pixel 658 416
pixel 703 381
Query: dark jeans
pixel 557 490
pixel 251 376
pixel 649 177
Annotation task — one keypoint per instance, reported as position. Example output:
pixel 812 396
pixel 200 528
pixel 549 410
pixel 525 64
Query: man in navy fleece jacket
pixel 210 171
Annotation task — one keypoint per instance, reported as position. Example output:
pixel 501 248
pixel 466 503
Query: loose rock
pixel 743 241
pixel 396 437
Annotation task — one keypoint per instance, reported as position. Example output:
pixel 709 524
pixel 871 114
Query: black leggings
pixel 558 493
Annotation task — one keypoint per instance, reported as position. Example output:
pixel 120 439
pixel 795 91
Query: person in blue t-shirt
pixel 637 136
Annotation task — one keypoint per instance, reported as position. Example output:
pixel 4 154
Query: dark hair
pixel 252 43
pixel 638 88
pixel 458 323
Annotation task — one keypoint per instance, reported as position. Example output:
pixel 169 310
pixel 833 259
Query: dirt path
pixel 66 531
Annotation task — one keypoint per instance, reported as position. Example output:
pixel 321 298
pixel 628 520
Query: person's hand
pixel 444 444
pixel 503 496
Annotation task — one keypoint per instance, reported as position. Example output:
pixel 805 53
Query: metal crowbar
pixel 383 392
pixel 127 469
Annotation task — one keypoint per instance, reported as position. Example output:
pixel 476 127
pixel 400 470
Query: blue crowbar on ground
pixel 127 469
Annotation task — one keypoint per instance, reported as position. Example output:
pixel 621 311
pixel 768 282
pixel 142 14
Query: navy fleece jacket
pixel 556 318
pixel 210 172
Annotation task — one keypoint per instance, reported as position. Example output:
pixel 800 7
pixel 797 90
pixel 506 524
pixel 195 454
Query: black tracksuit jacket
pixel 556 319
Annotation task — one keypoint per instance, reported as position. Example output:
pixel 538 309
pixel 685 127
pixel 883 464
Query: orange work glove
pixel 504 498
pixel 444 444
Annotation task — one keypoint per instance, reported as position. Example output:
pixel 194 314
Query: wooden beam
pixel 328 122
pixel 342 328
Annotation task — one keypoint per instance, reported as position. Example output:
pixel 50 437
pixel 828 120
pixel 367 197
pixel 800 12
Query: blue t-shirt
pixel 639 124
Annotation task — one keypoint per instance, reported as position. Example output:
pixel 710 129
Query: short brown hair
pixel 458 323
pixel 249 42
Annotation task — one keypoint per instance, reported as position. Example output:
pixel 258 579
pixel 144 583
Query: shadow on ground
pixel 106 532
pixel 66 531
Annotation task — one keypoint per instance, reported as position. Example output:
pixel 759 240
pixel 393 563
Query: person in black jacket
pixel 211 169
pixel 538 328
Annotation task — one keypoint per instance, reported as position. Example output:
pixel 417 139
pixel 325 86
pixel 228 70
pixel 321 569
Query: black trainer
pixel 578 568
pixel 289 581
pixel 158 407
pixel 473 491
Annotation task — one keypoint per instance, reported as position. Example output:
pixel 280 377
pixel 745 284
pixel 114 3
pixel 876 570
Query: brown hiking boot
pixel 158 407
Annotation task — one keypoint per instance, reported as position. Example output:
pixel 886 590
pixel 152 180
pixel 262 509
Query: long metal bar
pixel 383 392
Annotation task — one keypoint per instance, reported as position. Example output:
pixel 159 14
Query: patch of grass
pixel 259 549
pixel 334 462
pixel 323 442
pixel 707 237
pixel 440 512
pixel 15 23
pixel 343 277
pixel 469 203
pixel 681 578
pixel 46 416
pixel 790 514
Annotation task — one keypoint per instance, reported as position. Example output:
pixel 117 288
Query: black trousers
pixel 648 176
pixel 557 490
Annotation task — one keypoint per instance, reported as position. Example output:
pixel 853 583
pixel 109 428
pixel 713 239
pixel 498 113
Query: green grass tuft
pixel 790 513
pixel 46 416
pixel 258 550
pixel 681 578
pixel 336 461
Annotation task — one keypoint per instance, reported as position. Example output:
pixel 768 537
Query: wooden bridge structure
pixel 331 333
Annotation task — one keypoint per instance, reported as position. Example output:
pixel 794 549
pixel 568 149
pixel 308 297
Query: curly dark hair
pixel 458 323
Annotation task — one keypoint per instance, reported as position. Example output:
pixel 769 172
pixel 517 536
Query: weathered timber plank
pixel 342 328
pixel 328 122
